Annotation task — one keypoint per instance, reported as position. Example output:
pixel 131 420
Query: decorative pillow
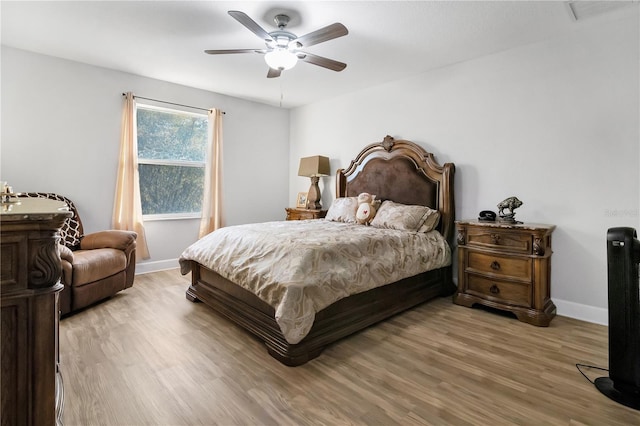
pixel 403 217
pixel 343 210
pixel 431 221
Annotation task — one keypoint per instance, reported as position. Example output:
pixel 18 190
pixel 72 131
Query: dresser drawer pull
pixel 495 265
pixel 495 239
pixel 494 289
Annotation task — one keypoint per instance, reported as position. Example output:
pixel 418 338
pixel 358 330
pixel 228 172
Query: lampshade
pixel 280 59
pixel 314 166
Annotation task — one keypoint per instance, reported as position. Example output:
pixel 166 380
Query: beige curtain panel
pixel 212 197
pixel 127 210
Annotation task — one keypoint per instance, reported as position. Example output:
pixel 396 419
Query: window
pixel 171 161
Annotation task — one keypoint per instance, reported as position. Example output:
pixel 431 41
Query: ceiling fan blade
pixel 244 19
pixel 273 73
pixel 322 61
pixel 224 51
pixel 323 34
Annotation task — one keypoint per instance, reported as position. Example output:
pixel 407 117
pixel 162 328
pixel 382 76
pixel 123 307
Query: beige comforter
pixel 301 267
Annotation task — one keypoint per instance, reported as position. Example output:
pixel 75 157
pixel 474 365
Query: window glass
pixel 171 160
pixel 170 189
pixel 171 135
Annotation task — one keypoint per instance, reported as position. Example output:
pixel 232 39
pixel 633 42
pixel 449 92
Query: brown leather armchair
pixel 94 266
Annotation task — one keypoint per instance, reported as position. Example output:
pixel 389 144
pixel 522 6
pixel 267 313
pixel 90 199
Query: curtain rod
pixel 171 103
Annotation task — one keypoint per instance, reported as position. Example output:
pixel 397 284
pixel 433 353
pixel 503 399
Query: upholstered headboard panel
pixel 394 179
pixel 403 172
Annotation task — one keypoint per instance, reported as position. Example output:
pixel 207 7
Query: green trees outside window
pixel 171 160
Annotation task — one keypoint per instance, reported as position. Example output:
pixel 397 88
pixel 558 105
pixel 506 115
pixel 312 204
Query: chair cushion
pixel 93 265
pixel 91 293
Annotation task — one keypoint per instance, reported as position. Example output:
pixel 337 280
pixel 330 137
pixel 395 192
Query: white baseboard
pixel 582 312
pixel 159 265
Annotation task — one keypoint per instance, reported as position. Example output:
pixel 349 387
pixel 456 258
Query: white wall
pixel 555 123
pixel 61 130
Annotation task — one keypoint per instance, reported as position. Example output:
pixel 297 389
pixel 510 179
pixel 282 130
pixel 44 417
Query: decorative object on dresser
pixel 301 200
pixel 303 214
pixel 506 266
pixel 510 203
pixel 420 182
pixel 95 266
pixel 6 192
pixel 31 386
pixel 314 167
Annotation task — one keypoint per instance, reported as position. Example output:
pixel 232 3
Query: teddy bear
pixel 367 208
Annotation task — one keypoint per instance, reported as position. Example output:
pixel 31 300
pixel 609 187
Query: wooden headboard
pixel 401 171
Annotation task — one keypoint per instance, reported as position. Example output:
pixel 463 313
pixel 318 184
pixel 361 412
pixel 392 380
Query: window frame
pixel 175 163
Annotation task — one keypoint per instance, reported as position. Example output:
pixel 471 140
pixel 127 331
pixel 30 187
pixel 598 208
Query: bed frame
pixel 395 170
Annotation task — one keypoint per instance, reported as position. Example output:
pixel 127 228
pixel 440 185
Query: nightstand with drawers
pixel 302 214
pixel 506 266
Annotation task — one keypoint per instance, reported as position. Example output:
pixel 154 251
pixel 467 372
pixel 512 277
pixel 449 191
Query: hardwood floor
pixel 148 356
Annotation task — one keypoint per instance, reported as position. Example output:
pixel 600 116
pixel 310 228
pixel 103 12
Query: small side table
pixel 302 214
pixel 506 266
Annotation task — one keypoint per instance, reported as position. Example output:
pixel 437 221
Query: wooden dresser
pixel 506 266
pixel 31 386
pixel 302 214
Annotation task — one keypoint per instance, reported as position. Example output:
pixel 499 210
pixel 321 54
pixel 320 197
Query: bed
pixel 397 171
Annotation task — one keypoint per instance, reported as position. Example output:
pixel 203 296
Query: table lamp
pixel 314 167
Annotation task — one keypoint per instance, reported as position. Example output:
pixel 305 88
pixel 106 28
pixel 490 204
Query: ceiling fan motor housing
pixel 281 20
pixel 283 39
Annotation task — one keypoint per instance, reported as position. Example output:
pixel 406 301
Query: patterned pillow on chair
pixel 71 232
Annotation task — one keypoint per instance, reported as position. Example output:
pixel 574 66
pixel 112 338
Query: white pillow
pixel 404 217
pixel 343 210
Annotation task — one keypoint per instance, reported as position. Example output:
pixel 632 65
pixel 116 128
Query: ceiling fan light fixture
pixel 280 59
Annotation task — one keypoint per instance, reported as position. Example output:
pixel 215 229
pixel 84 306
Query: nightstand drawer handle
pixel 494 289
pixel 495 238
pixel 495 265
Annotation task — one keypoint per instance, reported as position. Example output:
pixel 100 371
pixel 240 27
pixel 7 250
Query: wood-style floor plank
pixel 148 356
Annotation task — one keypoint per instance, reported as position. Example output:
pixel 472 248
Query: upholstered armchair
pixel 94 266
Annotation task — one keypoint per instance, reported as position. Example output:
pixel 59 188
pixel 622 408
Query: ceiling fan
pixel 283 47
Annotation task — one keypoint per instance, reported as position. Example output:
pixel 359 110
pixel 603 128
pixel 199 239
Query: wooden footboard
pixel 338 320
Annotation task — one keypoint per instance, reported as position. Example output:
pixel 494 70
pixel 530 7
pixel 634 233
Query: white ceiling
pixel 387 40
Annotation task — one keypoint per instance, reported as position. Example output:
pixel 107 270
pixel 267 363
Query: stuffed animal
pixel 367 208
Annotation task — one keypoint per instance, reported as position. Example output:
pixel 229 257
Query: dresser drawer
pixel 300 215
pixel 304 214
pixel 501 266
pixel 500 291
pixel 499 240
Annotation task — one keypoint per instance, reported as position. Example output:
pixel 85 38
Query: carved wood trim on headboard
pixel 401 171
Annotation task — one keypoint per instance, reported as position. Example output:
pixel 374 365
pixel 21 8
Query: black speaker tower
pixel 623 257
